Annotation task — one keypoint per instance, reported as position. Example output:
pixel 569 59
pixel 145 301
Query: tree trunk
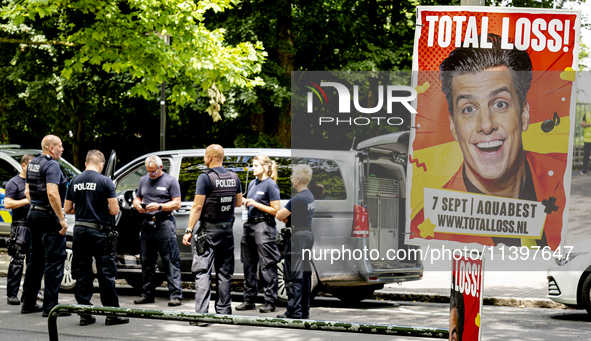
pixel 285 60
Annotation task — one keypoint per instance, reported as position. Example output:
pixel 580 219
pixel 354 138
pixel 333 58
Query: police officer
pixel 158 195
pixel 46 186
pixel 18 245
pixel 258 246
pixel 218 192
pixel 91 197
pixel 297 271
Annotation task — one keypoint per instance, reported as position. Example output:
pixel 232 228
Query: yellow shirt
pixel 587 130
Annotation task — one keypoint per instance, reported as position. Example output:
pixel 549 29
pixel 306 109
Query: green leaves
pixel 123 37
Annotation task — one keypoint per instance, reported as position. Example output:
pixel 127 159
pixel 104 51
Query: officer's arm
pixel 113 206
pixel 27 192
pixel 196 209
pixel 194 216
pixel 53 195
pixel 11 204
pixel 283 214
pixel 69 207
pixel 172 205
pixel 239 199
pixel 136 203
pixel 272 210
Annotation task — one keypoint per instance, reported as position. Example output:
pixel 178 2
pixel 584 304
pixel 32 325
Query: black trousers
pixel 48 254
pixel 297 273
pixel 89 243
pixel 15 268
pixel 586 153
pixel 258 248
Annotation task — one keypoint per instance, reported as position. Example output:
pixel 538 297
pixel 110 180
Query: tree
pixel 82 45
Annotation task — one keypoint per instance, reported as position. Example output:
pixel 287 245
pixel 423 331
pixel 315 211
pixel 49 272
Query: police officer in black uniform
pixel 297 271
pixel 218 192
pixel 91 197
pixel 46 186
pixel 18 244
pixel 258 246
pixel 158 195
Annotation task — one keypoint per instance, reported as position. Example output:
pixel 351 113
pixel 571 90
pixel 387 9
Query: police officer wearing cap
pixel 159 194
pixel 18 245
pixel 46 186
pixel 91 197
pixel 297 271
pixel 218 192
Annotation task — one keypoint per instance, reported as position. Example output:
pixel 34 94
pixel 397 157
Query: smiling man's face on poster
pixel 487 121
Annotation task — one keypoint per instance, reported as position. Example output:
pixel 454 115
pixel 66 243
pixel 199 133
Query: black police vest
pixel 36 179
pixel 219 204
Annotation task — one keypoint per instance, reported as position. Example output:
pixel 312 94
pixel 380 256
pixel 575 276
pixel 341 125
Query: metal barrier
pixel 351 327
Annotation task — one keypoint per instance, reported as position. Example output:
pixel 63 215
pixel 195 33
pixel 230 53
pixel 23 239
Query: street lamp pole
pixel 166 38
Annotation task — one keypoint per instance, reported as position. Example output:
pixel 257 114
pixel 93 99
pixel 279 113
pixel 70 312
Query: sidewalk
pixel 501 288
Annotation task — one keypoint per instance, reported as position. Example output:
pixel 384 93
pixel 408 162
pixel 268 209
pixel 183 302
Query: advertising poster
pixel 491 144
pixel 465 310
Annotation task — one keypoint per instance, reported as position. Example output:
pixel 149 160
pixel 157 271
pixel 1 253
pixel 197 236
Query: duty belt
pixel 19 222
pixel 256 220
pixel 47 208
pixel 157 218
pixel 206 224
pixel 96 226
pixel 304 228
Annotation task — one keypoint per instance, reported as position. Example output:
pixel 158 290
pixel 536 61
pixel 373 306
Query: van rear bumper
pixel 375 277
pixel 392 276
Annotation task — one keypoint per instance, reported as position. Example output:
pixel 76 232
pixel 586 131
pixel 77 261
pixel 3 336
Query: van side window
pixel 7 171
pixel 132 178
pixel 327 181
pixel 192 167
pixel 283 176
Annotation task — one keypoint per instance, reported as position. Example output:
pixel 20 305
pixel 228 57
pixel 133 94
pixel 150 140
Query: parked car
pixel 368 182
pixel 10 165
pixel 569 281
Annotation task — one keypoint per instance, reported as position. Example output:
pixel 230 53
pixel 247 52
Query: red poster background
pixel 472 301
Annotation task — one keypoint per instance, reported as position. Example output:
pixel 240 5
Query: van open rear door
pixel 382 183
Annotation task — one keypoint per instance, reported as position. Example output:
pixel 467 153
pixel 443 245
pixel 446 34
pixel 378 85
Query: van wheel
pixel 282 290
pixel 586 294
pixel 355 294
pixel 68 281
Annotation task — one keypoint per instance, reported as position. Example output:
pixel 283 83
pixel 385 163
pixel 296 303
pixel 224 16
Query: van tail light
pixel 360 223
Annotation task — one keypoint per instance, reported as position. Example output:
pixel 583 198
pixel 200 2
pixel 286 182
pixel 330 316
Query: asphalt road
pixel 499 323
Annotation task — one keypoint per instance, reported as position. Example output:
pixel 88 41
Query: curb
pixel 493 301
pixel 435 298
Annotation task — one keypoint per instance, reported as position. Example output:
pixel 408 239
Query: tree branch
pixel 29 42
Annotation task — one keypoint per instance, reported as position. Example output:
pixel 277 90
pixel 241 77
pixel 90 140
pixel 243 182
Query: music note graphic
pixel 549 124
